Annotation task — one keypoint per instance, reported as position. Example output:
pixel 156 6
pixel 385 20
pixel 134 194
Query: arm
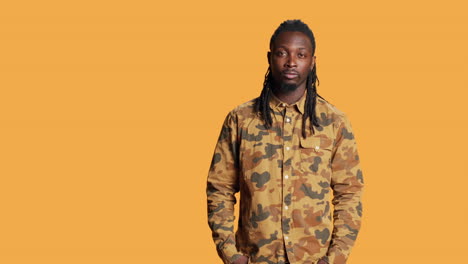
pixel 347 185
pixel 222 184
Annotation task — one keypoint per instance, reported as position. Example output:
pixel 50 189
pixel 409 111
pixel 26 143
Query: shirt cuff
pixel 336 257
pixel 230 254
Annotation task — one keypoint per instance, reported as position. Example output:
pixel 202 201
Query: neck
pixel 290 97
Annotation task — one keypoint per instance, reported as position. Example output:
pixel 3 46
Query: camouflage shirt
pixel 300 198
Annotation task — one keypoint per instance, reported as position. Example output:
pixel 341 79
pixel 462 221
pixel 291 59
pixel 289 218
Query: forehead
pixel 292 39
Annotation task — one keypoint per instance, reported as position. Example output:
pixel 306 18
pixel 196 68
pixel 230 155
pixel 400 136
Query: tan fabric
pixel 302 194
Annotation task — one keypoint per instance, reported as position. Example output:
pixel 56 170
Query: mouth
pixel 290 74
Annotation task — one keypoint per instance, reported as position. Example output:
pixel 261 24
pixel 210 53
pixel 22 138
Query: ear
pixel 268 57
pixel 312 65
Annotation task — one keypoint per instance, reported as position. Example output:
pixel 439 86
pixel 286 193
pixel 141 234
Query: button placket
pixel 288 153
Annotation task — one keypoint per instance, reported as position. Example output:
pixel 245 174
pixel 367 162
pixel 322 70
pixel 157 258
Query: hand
pixel 241 260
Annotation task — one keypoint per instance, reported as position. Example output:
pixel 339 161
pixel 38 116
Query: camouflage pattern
pixel 300 198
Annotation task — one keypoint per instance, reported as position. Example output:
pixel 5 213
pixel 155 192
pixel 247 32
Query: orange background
pixel 109 113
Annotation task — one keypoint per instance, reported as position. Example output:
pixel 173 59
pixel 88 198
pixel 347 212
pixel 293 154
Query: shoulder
pixel 329 114
pixel 329 108
pixel 244 111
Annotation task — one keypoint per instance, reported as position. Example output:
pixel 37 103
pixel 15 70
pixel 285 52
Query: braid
pixel 262 103
pixel 309 108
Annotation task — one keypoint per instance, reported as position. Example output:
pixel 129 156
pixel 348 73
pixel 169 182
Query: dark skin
pixel 290 60
pixel 242 260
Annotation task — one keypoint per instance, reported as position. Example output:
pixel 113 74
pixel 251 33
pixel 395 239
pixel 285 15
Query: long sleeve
pixel 222 184
pixel 347 184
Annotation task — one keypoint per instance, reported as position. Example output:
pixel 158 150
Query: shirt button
pixel 287 148
pixel 317 147
pixel 286 176
pixel 288 119
pixel 286 237
pixel 283 104
pixel 286 207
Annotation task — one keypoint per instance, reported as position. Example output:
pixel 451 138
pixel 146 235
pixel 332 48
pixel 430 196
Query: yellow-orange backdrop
pixel 109 112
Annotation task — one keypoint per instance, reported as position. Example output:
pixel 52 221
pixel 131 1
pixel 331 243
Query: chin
pixel 287 87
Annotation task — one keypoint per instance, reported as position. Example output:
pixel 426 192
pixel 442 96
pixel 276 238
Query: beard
pixel 287 87
pixel 284 87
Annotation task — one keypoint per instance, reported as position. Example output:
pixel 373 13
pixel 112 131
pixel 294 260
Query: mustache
pixel 290 71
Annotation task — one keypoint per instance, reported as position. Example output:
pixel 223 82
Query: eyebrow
pixel 284 47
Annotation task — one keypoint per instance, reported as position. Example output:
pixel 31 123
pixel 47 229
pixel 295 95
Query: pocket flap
pixel 316 143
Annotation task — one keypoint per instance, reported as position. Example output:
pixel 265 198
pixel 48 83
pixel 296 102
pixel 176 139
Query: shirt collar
pixel 278 105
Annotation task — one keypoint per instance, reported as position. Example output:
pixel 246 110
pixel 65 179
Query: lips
pixel 290 74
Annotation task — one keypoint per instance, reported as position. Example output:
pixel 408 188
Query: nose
pixel 290 62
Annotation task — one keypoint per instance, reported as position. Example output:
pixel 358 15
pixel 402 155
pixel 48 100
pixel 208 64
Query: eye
pixel 280 53
pixel 301 55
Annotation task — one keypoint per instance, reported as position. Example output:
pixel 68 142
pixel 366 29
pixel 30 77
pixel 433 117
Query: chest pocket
pixel 315 152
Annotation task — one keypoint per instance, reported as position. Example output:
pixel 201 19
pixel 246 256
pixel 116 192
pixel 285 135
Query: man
pixel 293 157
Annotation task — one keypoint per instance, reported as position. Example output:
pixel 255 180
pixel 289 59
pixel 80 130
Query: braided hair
pixel 262 106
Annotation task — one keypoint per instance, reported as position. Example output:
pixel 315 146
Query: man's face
pixel 291 60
